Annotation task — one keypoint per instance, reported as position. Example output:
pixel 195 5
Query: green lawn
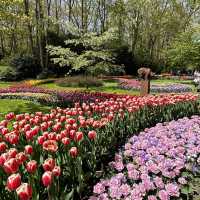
pixel 20 106
pixel 112 86
pixel 108 87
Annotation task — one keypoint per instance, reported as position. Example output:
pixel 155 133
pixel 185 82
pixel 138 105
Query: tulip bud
pixel 29 135
pixel 79 136
pixel 27 127
pixel 14 181
pixel 3 158
pixel 12 153
pixel 72 134
pixel 21 158
pixel 13 138
pixel 49 164
pixel 65 141
pixel 11 166
pixel 56 171
pixel 47 178
pixel 41 140
pixel 4 131
pixel 24 191
pixel 28 149
pixel 3 147
pixel 10 116
pixel 73 152
pixel 31 166
pixel 92 135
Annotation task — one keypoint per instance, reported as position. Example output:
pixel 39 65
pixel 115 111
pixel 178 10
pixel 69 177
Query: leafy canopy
pixel 87 51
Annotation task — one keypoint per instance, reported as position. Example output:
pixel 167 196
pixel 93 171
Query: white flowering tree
pixel 90 52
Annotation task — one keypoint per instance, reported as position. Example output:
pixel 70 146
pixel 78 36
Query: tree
pixel 184 52
pixel 95 54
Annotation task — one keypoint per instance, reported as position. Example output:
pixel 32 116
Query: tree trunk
pixel 29 27
pixel 70 11
pixel 39 31
pixel 2 45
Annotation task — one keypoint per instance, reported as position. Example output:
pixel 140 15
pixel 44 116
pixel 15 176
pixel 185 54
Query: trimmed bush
pixel 80 81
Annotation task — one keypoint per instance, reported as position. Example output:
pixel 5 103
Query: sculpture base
pixel 145 87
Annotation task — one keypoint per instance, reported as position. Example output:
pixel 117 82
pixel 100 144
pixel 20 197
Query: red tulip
pixel 4 131
pixel 62 118
pixel 41 140
pixel 70 121
pixel 3 158
pixel 52 136
pixel 92 135
pixel 72 134
pixel 45 134
pixel 57 127
pixel 50 123
pixel 3 147
pixel 11 166
pixel 12 153
pixel 31 166
pixel 58 137
pixel 19 117
pixel 44 126
pixel 50 145
pixel 63 133
pixel 13 181
pixel 10 116
pixel 47 178
pixel 4 123
pixel 28 149
pixel 29 135
pixel 21 158
pixel 73 152
pixel 65 141
pixel 83 123
pixel 56 171
pixel 13 138
pixel 49 164
pixel 79 136
pixel 27 127
pixel 24 191
pixel 35 130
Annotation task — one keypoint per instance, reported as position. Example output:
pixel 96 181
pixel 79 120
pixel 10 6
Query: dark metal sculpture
pixel 145 74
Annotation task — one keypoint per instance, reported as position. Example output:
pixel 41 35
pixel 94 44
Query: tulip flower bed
pixel 60 98
pixel 41 98
pixel 160 163
pixel 57 155
pixel 131 84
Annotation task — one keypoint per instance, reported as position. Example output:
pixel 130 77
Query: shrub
pixel 26 67
pixel 8 74
pixel 80 81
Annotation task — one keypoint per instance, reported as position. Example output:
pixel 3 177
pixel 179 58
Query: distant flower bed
pixel 129 84
pixel 35 97
pixel 160 163
pixel 64 98
pixel 171 88
pixel 133 84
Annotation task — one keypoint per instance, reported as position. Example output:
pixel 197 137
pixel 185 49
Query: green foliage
pixel 80 81
pixel 26 66
pixel 96 51
pixel 184 51
pixel 103 69
pixel 8 74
